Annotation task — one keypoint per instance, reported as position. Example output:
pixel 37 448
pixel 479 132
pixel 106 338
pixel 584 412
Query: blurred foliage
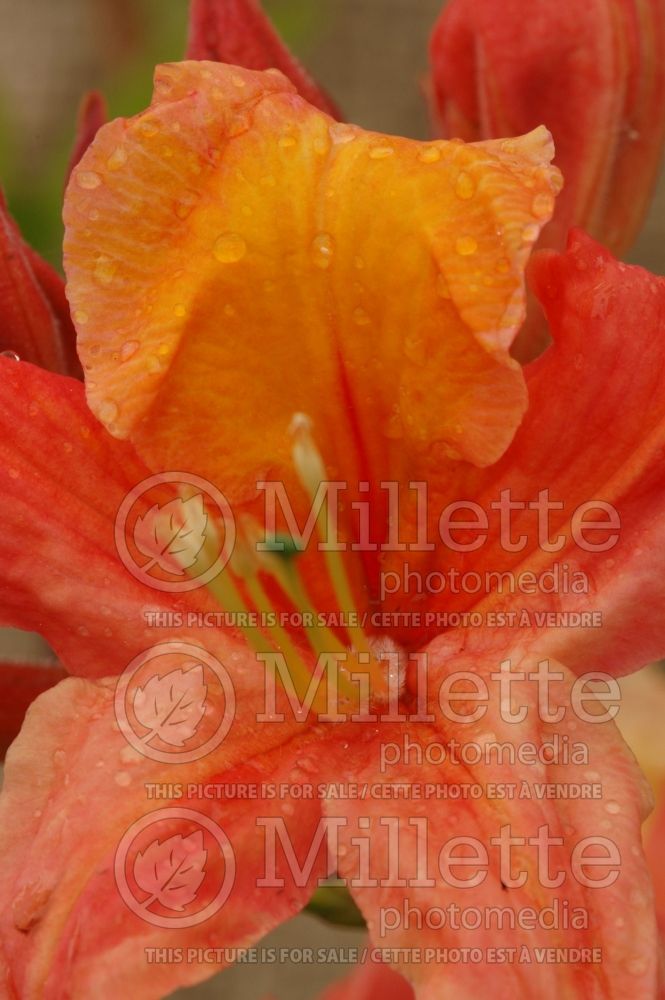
pixel 36 200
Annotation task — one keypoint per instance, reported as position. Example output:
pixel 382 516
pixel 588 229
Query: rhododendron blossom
pixel 343 589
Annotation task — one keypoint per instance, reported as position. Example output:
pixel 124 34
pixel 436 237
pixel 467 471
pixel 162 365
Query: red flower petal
pixel 34 320
pixel 62 480
pixel 240 33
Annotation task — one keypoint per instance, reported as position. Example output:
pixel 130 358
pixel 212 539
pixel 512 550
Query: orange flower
pixel 236 259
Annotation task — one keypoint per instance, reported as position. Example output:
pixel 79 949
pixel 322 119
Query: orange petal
pixel 234 256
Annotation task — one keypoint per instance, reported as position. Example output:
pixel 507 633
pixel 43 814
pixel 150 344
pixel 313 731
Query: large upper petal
pixel 233 257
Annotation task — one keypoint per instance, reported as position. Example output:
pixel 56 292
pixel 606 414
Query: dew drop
pixel 108 411
pixel 360 317
pixel 117 159
pixel 288 142
pixel 613 808
pixel 341 133
pixel 543 205
pixel 123 778
pixel 12 355
pixel 431 154
pixel 322 250
pixel 13 473
pixel 465 188
pixel 531 233
pixel 179 310
pixel 88 179
pixel 229 248
pixel 238 81
pixel 381 152
pixel 105 270
pixel 129 349
pixel 81 317
pixel 183 209
pixel 149 129
pixel 238 125
pixel 466 246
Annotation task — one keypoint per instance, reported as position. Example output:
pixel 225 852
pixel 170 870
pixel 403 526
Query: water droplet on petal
pixel 613 808
pixel 360 317
pixel 465 187
pixel 238 125
pixel 322 250
pixel 229 248
pixel 531 233
pixel 179 310
pixel 108 411
pixel 12 355
pixel 543 205
pixel 288 141
pixel 81 317
pixel 238 81
pixel 430 154
pixel 123 778
pixel 117 159
pixel 381 152
pixel 88 179
pixel 466 246
pixel 129 349
pixel 341 133
pixel 105 270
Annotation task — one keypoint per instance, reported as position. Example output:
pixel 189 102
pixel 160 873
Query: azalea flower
pixel 233 256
